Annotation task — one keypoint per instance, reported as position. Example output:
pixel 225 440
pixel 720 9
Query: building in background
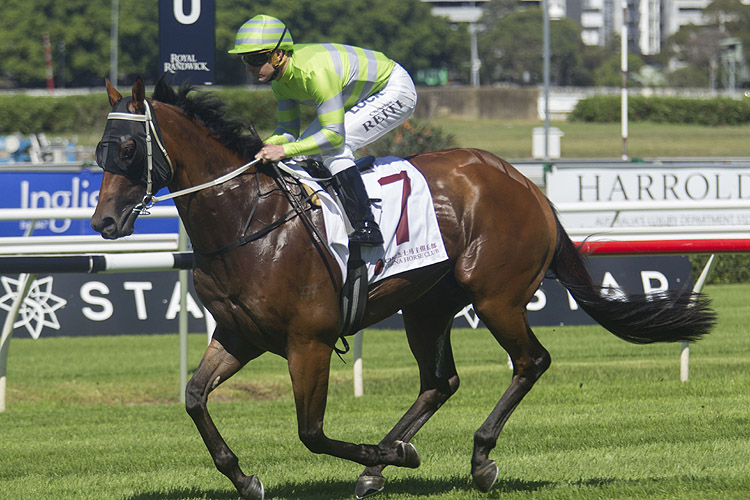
pixel 650 22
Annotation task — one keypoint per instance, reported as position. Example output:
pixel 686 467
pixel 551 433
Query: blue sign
pixel 69 189
pixel 187 40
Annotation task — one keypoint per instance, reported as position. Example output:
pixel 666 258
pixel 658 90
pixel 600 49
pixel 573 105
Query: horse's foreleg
pixel 217 365
pixel 530 360
pixel 309 362
pixel 428 331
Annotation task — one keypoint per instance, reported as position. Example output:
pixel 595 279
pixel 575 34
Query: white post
pixel 113 43
pixel 545 73
pixel 210 324
pixel 475 62
pixel 24 283
pixel 685 347
pixel 624 70
pixel 358 382
pixel 183 318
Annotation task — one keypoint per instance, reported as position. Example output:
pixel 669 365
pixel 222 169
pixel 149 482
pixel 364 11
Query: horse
pixel 501 234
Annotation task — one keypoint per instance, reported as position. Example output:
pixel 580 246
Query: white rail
pixel 152 244
pixel 72 213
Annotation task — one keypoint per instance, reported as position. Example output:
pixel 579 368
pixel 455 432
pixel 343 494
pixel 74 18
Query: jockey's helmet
pixel 262 33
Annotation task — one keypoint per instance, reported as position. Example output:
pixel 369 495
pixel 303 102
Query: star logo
pixel 38 308
pixel 470 316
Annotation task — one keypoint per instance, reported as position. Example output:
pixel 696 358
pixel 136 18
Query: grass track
pixel 97 418
pixel 513 139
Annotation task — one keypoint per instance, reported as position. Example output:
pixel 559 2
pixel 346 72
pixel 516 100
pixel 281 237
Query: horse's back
pixel 490 215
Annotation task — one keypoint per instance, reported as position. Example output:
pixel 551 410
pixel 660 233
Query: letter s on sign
pixel 178 7
pixel 106 306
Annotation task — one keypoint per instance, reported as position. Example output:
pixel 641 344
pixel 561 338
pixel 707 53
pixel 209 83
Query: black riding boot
pixel 354 198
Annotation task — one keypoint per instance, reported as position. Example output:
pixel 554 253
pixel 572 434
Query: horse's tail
pixel 638 318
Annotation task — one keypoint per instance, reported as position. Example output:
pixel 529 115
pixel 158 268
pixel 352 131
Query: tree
pixel 83 28
pixel 404 29
pixel 696 50
pixel 512 50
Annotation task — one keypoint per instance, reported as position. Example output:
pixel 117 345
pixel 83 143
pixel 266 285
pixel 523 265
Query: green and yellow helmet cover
pixel 262 33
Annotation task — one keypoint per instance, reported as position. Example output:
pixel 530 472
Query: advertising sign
pixel 187 40
pixel 84 305
pixel 78 188
pixel 552 305
pixel 652 182
pixel 148 303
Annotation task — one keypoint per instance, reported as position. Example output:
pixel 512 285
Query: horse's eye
pixel 127 150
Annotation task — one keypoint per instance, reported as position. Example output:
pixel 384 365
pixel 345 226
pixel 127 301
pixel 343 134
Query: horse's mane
pixel 236 134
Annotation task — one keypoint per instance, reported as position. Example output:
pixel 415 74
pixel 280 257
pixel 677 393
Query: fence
pixel 597 241
pixel 647 240
pixel 160 255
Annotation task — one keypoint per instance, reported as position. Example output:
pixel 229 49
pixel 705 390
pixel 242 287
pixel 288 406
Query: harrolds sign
pixel 701 186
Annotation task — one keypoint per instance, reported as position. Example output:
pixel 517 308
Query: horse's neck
pixel 215 216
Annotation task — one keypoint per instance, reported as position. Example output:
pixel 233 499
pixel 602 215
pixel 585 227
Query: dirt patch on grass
pixel 251 392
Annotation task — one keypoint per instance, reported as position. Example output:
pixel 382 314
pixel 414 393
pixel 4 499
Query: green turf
pixel 98 418
pixel 513 139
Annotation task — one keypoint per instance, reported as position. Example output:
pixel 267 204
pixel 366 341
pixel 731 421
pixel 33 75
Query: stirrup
pixel 366 233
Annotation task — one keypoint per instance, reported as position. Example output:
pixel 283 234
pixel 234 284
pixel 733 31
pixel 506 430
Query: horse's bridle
pixel 149 200
pixel 148 122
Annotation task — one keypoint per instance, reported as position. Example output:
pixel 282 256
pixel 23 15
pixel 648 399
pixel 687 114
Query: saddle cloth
pixel 402 206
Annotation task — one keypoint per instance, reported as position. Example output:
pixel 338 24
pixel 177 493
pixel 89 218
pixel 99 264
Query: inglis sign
pixel 70 189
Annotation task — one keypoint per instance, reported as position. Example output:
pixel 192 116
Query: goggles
pixel 257 59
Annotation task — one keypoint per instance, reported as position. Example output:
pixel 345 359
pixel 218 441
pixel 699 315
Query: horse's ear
pixel 112 92
pixel 139 94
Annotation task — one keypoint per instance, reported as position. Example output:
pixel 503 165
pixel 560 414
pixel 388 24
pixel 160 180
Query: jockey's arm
pixel 326 89
pixel 288 126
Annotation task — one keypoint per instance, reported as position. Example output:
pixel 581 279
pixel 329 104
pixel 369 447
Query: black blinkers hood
pixel 115 155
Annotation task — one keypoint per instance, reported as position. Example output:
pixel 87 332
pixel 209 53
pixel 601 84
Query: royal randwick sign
pixel 187 40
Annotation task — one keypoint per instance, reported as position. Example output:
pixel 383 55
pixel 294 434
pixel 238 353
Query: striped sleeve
pixel 288 126
pixel 330 110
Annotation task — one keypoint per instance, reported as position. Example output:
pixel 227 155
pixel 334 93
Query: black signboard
pixel 149 303
pixel 187 40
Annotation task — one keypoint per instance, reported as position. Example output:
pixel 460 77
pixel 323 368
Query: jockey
pixel 359 96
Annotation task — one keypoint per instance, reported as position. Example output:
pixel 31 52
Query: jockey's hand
pixel 271 152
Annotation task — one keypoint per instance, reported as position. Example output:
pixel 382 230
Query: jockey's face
pixel 262 73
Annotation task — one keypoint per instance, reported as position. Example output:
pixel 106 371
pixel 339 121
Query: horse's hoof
pixel 368 486
pixel 408 454
pixel 485 476
pixel 252 489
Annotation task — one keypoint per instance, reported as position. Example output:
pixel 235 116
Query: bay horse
pixel 279 292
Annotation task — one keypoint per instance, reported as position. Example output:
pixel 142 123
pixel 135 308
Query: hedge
pixel 87 113
pixel 711 112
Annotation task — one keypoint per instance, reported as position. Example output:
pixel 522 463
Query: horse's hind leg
pixel 428 328
pixel 511 329
pixel 218 364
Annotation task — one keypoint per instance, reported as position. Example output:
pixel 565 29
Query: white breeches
pixel 371 119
